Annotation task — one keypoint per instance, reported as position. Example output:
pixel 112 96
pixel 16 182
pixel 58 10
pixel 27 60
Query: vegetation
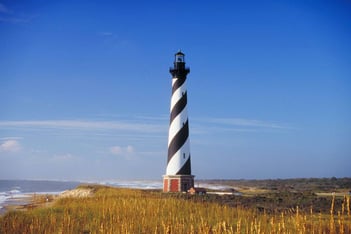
pixel 297 185
pixel 112 210
pixel 282 195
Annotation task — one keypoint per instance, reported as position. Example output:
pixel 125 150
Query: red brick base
pixel 177 183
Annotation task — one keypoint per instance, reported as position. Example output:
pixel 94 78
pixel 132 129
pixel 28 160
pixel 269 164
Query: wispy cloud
pixel 105 34
pixel 155 118
pixel 135 126
pixel 9 16
pixel 115 40
pixel 14 20
pixel 126 152
pixel 10 138
pixel 62 157
pixel 141 127
pixel 10 146
pixel 249 123
pixel 117 150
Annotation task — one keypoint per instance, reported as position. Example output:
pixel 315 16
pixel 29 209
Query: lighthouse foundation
pixel 177 183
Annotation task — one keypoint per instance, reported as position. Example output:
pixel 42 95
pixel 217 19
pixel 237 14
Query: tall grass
pixel 113 210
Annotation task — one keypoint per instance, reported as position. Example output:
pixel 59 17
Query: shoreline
pixel 30 201
pixel 27 201
pixel 12 202
pixel 19 194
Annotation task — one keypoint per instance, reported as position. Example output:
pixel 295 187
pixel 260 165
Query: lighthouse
pixel 178 176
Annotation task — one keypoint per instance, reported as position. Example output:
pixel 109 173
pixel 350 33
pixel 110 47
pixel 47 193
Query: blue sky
pixel 85 88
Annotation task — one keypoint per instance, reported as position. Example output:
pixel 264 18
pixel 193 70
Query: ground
pixel 279 195
pixel 264 195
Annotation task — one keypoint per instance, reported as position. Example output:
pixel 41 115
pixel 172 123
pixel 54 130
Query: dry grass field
pixel 115 210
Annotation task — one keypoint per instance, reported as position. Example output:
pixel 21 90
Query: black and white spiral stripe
pixel 178 136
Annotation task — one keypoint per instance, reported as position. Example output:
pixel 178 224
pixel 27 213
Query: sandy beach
pixel 26 202
pixel 30 201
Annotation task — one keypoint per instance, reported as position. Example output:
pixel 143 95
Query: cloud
pixel 117 150
pixel 10 146
pixel 127 151
pixel 115 41
pixel 14 20
pixel 105 34
pixel 135 126
pixel 10 138
pixel 138 124
pixel 130 149
pixel 8 16
pixel 62 157
pixel 239 122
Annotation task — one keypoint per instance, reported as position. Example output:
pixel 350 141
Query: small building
pixel 197 190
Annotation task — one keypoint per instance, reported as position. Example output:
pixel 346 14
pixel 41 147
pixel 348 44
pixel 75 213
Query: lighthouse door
pixel 185 187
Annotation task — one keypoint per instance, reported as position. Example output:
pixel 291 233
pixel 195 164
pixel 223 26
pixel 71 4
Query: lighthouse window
pixel 179 58
pixel 184 155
